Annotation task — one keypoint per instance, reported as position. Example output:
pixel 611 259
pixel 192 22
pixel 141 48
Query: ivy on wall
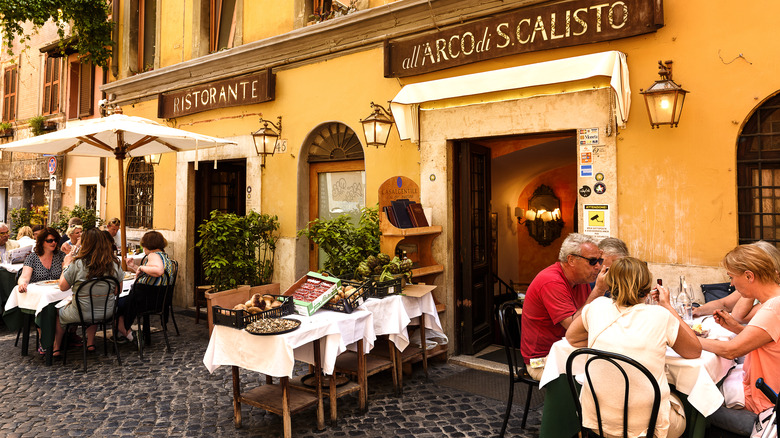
pixel 88 19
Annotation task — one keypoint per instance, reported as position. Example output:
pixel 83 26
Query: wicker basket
pixel 241 318
pixel 349 304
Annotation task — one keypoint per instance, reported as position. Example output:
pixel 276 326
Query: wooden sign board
pixel 253 88
pixel 417 290
pixel 562 24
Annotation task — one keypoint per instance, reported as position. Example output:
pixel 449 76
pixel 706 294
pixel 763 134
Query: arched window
pixel 758 175
pixel 140 194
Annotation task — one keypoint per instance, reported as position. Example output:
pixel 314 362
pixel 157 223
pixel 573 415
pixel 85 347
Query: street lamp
pixel 265 138
pixel 664 99
pixel 153 158
pixel 376 127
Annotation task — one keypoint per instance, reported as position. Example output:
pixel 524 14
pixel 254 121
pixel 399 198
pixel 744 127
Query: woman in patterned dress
pixel 44 262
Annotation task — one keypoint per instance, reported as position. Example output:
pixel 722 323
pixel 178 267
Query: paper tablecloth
pixel 275 355
pixel 394 313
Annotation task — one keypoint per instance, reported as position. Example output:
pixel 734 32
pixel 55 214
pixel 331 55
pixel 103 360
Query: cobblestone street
pixel 174 395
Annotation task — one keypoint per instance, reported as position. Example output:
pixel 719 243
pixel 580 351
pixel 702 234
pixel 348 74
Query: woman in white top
pixel 74 240
pixel 624 324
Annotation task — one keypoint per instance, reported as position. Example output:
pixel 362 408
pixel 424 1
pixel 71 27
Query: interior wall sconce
pixel 664 99
pixel 376 127
pixel 265 138
pixel 153 159
pixel 543 217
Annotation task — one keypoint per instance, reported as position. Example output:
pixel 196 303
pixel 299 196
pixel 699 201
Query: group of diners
pixel 88 254
pixel 596 296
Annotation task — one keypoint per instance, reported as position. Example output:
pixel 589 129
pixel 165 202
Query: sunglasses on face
pixel 50 240
pixel 591 261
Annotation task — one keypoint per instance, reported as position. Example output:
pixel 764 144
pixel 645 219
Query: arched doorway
pixel 337 177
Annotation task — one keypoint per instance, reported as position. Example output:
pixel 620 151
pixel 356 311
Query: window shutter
pixel 86 89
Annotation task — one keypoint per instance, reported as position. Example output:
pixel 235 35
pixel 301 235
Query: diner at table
pixel 150 281
pixel 753 273
pixel 74 239
pixel 625 324
pixel 95 259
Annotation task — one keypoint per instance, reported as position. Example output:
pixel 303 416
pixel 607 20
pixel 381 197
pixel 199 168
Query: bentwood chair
pixel 95 293
pixel 154 300
pixel 169 303
pixel 510 322
pixel 614 365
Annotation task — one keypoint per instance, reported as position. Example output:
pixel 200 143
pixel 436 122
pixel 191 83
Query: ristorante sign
pixel 244 90
pixel 563 24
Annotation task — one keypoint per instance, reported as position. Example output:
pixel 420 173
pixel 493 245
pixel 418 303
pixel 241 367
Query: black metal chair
pixel 510 322
pixel 154 300
pixel 96 292
pixel 611 388
pixel 171 286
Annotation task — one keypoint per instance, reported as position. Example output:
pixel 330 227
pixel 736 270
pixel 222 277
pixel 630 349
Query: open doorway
pixel 497 258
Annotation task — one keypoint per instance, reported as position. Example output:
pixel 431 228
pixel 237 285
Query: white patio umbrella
pixel 118 136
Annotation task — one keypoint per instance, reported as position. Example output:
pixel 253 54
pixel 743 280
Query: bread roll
pixel 256 299
pixel 248 303
pixel 276 304
pixel 239 307
pixel 254 310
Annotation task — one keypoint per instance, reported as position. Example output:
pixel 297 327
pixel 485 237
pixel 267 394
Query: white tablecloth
pixel 394 313
pixel 693 377
pixel 275 355
pixel 39 296
pixel 15 267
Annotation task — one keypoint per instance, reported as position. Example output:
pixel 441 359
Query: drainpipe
pixel 115 39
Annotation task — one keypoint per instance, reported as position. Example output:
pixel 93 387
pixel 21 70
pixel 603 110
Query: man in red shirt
pixel 555 297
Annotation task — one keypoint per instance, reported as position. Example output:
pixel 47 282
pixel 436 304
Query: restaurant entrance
pixel 220 189
pixel 495 255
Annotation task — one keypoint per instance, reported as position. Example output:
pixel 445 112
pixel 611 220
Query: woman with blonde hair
pixel 74 240
pixel 624 324
pixel 25 236
pixel 752 272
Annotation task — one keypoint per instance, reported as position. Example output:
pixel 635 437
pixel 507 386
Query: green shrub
pixel 345 244
pixel 89 218
pixel 238 250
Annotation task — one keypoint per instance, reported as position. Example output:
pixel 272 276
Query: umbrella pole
pixel 122 250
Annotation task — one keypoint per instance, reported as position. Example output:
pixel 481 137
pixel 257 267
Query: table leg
pixel 423 344
pixel 286 421
pixel 318 382
pixel 236 398
pixel 399 368
pixel 25 332
pixel 362 378
pixel 332 397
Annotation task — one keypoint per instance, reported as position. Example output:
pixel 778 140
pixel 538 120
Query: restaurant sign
pixel 568 23
pixel 254 88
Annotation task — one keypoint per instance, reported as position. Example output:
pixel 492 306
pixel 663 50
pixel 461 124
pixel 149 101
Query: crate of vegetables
pixel 312 291
pixel 381 287
pixel 349 296
pixel 256 308
pixel 386 276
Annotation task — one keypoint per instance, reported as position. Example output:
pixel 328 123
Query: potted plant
pixel 89 218
pixel 344 243
pixel 238 251
pixel 40 125
pixel 6 129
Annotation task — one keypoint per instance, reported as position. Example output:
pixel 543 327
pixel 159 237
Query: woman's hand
pixel 130 262
pixel 22 287
pixel 727 321
pixel 662 297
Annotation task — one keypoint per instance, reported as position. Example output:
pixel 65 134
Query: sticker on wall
pixel 599 176
pixel 586 170
pixel 596 218
pixel 600 188
pixel 586 155
pixel 585 191
pixel 588 136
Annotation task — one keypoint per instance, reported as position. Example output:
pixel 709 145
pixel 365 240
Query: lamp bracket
pixel 379 109
pixel 278 126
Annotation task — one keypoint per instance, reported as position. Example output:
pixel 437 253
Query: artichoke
pixel 371 261
pixel 383 258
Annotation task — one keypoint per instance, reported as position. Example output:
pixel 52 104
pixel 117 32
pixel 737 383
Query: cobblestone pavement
pixel 173 394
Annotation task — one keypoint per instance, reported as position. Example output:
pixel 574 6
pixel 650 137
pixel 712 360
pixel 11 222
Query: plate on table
pixel 129 276
pixel 273 326
pixel 48 283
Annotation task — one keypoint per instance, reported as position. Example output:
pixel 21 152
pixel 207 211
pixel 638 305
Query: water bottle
pixel 684 303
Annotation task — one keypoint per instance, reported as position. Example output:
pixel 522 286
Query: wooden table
pixel 318 341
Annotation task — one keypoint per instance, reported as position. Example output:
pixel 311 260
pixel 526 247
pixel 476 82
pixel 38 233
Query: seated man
pixel 5 244
pixel 556 296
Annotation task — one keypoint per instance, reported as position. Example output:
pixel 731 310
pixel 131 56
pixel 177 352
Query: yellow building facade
pixel 670 193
